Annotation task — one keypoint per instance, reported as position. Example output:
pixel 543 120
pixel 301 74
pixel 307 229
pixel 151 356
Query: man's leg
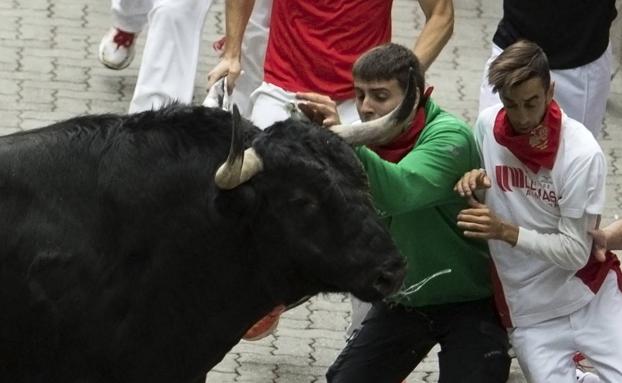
pixel 598 330
pixel 582 92
pixel 545 350
pixel 253 54
pixel 171 54
pixel 387 348
pixel 271 104
pixel 130 15
pixel 486 97
pixel 474 344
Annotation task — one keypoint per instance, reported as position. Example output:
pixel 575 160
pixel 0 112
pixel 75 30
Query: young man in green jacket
pixel 447 295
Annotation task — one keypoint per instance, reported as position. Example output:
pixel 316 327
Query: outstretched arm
pixel 237 13
pixel 439 27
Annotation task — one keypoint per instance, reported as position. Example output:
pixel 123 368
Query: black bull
pixel 122 261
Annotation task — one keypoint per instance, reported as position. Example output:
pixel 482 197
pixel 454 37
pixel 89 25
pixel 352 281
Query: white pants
pixel 545 350
pixel 170 58
pixel 253 53
pixel 272 103
pixel 130 15
pixel 581 92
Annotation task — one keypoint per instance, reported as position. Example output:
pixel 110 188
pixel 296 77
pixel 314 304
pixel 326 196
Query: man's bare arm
pixel 237 13
pixel 613 234
pixel 438 29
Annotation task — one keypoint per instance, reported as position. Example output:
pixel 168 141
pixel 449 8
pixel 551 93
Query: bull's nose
pixel 390 278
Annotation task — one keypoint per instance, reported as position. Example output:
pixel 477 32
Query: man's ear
pixel 550 92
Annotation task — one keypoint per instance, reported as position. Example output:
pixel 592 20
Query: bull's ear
pixel 239 204
pixel 241 165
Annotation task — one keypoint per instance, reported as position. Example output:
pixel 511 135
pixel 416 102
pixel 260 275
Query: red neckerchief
pixel 539 147
pixel 593 274
pixel 395 150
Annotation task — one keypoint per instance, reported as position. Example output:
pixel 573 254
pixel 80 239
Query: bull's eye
pixel 300 201
pixel 303 203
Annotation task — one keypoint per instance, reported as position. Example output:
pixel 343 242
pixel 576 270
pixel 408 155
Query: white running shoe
pixel 116 49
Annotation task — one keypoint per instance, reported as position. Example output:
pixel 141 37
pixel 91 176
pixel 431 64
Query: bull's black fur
pixel 121 261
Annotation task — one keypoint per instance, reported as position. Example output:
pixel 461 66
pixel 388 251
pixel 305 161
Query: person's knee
pixel 489 367
pixel 170 14
pixel 495 368
pixel 479 352
pixel 338 374
pixel 331 374
pixel 335 371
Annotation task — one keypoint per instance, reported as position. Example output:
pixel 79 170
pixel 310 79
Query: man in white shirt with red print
pixel 544 176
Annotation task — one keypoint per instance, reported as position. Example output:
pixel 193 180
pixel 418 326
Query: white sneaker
pixel 587 377
pixel 116 49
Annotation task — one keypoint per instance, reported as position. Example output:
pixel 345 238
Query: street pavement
pixel 49 71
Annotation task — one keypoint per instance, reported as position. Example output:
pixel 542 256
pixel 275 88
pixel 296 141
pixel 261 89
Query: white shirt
pixel 553 208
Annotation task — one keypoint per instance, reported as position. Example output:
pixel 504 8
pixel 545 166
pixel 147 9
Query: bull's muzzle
pixel 390 277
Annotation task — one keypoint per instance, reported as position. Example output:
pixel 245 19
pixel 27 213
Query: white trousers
pixel 253 53
pixel 170 58
pixel 272 103
pixel 130 15
pixel 545 350
pixel 581 92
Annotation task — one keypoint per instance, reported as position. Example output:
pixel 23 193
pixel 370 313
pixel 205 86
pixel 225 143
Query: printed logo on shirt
pixel 539 137
pixel 541 188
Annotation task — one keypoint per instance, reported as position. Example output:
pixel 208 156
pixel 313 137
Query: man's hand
pixel 479 222
pixel 599 245
pixel 229 67
pixel 475 179
pixel 318 108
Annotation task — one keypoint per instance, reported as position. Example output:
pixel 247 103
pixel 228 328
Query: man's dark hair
pixel 389 61
pixel 518 63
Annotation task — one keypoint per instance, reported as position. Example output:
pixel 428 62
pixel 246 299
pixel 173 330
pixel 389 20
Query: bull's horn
pixel 384 129
pixel 241 165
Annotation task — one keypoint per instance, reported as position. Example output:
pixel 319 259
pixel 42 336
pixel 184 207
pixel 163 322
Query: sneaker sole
pixel 109 65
